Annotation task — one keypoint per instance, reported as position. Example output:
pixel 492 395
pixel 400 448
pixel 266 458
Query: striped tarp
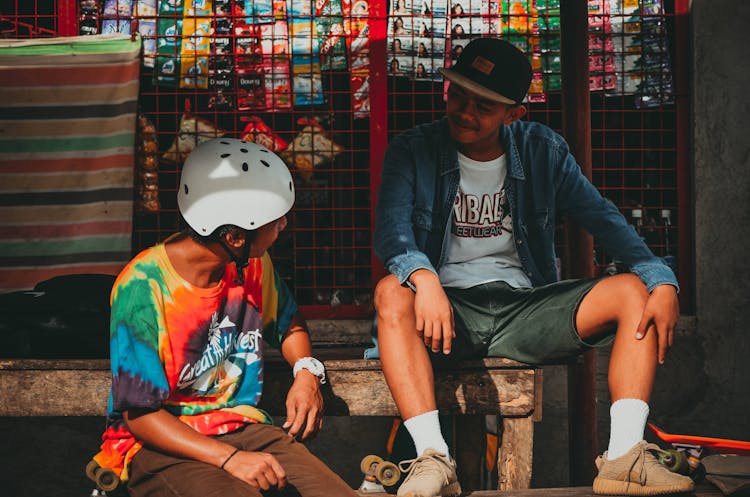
pixel 67 134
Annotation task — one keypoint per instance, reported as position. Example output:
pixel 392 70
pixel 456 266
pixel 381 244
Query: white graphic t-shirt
pixel 480 246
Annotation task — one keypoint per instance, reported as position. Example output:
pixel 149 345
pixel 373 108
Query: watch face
pixel 311 364
pixel 316 367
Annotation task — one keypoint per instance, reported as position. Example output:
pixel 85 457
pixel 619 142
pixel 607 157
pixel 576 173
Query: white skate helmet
pixel 229 181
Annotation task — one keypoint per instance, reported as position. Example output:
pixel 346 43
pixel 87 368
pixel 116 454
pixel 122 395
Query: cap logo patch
pixel 482 65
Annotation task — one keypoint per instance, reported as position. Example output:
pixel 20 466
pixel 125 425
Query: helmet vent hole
pixel 243 150
pixel 264 150
pixel 245 167
pixel 224 142
pixel 290 186
pixel 252 223
pixel 186 189
pixel 224 156
pixel 265 163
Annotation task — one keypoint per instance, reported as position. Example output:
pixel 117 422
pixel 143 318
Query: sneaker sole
pixel 614 487
pixel 452 490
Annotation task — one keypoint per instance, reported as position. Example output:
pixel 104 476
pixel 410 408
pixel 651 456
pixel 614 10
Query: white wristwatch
pixel 311 364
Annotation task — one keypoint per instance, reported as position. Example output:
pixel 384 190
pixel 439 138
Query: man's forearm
pixel 296 344
pixel 162 431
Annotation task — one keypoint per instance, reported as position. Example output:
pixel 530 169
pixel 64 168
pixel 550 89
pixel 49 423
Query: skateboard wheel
pixel 682 466
pixel 368 462
pixel 675 461
pixel 106 479
pixel 388 473
pixel 91 468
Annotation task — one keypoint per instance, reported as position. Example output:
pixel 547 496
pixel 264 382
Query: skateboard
pixel 721 445
pixel 106 480
pixel 687 451
pixel 378 470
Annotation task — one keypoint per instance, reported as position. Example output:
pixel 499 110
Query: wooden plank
pixel 703 490
pixel 515 454
pixel 340 331
pixel 355 388
pixel 50 392
pixel 358 388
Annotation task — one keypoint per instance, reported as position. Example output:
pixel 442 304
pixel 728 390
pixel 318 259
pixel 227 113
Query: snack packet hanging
pixel 117 16
pixel 311 148
pixel 257 131
pixel 146 167
pixel 192 132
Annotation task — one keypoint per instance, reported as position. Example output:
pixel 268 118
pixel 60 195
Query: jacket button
pixel 519 242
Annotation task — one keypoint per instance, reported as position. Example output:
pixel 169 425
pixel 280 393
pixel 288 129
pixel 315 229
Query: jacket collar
pixel 515 168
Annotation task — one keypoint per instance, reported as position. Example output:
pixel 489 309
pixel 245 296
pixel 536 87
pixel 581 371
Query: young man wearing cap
pixel 188 319
pixel 465 225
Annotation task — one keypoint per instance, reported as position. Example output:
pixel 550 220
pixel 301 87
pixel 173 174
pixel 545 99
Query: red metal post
pixel 67 24
pixel 378 24
pixel 576 108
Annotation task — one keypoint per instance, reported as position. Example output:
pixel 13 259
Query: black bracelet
pixel 228 458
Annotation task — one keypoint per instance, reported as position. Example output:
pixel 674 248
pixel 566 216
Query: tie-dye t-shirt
pixel 195 352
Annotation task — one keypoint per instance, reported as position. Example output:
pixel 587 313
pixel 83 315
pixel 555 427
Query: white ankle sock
pixel 425 431
pixel 628 422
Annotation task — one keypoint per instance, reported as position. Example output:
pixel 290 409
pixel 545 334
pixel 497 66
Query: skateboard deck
pixel 722 445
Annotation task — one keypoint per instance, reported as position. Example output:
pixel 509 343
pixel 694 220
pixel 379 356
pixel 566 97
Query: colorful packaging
pixel 117 16
pixel 251 89
pixel 173 8
pixel 257 131
pixel 311 148
pixel 331 36
pixel 88 22
pixel 146 13
pixel 192 132
pixel 146 167
pixel 307 83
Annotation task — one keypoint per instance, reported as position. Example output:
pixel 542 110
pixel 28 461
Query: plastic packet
pixel 193 131
pixel 146 167
pixel 312 147
pixel 259 132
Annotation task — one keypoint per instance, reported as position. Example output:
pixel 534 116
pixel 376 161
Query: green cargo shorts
pixel 532 325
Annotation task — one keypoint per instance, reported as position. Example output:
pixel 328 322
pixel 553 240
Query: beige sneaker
pixel 638 473
pixel 433 474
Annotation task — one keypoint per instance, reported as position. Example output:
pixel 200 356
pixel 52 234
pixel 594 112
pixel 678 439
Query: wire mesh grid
pixel 228 71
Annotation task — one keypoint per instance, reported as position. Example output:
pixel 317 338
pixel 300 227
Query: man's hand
pixel 661 312
pixel 433 311
pixel 304 405
pixel 259 469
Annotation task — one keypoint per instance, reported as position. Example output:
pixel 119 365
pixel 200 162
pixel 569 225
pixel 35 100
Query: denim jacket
pixel 419 184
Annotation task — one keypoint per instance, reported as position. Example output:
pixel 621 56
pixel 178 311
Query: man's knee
pixel 631 290
pixel 612 300
pixel 625 293
pixel 392 300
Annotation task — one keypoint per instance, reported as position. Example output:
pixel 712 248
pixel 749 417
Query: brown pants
pixel 155 474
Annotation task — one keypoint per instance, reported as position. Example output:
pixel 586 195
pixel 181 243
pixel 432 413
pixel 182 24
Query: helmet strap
pixel 240 263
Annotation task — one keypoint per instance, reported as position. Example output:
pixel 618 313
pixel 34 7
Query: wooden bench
pixel 356 387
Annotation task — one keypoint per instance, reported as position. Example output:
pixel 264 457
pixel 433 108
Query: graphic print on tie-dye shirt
pixel 195 352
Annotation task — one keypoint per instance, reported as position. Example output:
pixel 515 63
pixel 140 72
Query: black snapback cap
pixel 493 69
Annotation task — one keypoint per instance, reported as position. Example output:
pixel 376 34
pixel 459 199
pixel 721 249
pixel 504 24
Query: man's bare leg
pixel 619 301
pixel 408 372
pixel 406 364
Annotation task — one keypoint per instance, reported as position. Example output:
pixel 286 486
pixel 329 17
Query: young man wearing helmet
pixel 465 224
pixel 188 318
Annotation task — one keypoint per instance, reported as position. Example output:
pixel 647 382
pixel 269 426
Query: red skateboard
pixel 721 445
